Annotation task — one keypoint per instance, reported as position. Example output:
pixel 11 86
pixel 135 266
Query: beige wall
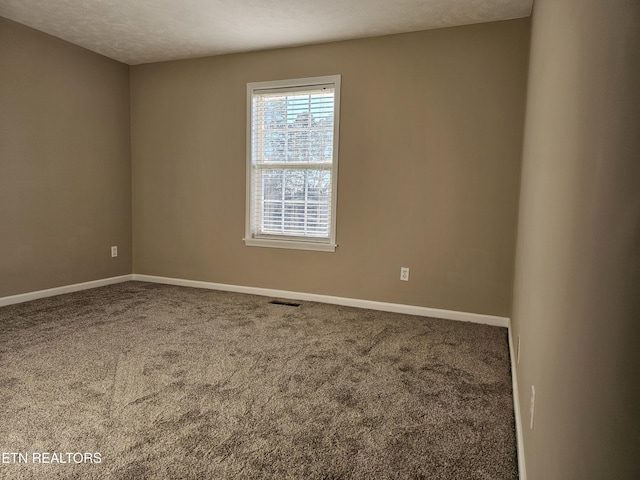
pixel 577 288
pixel 65 172
pixel 430 143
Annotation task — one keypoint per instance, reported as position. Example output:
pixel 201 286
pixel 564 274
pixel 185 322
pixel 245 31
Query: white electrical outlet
pixel 404 274
pixel 114 252
pixel 533 405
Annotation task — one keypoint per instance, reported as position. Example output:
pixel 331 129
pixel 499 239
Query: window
pixel 292 158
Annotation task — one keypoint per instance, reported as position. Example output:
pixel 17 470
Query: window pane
pixel 319 185
pixel 317 219
pixel 294 185
pixel 272 185
pixel 294 214
pixel 293 128
pixel 272 217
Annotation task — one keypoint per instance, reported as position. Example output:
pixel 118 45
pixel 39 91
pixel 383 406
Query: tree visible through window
pixel 292 146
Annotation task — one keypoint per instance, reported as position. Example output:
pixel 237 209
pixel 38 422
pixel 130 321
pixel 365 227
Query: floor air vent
pixel 288 304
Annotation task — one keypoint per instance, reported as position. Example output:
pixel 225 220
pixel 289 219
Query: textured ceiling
pixel 144 31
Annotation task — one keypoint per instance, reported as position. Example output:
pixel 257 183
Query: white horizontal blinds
pixel 292 161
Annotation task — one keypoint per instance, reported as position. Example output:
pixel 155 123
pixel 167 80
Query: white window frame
pixel 284 241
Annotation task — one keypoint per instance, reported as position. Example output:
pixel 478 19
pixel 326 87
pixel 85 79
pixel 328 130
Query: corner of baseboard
pixel 522 468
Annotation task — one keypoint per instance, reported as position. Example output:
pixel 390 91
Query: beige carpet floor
pixel 139 380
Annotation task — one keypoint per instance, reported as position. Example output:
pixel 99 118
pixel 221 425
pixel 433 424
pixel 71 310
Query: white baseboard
pixel 522 468
pixel 349 302
pixel 267 292
pixel 50 292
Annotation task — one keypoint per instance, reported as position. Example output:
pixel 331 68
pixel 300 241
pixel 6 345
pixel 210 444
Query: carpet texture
pixel 140 380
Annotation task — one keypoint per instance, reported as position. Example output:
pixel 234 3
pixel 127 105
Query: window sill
pixel 290 244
